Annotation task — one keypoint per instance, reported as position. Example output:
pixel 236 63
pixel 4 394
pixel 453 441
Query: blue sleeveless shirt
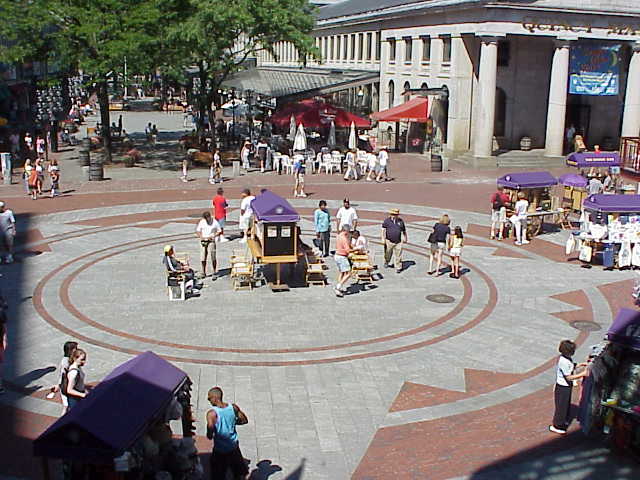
pixel 225 438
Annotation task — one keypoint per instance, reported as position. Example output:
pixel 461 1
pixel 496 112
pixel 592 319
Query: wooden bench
pixel 314 270
pixel 362 268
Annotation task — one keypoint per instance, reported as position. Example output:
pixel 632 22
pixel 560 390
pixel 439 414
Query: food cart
pixel 593 160
pixel 610 401
pixel 574 191
pixel 122 430
pixel 610 228
pixel 274 234
pixel 537 187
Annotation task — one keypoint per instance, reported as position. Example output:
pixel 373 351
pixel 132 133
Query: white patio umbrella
pixel 353 143
pixel 300 141
pixel 292 127
pixel 331 142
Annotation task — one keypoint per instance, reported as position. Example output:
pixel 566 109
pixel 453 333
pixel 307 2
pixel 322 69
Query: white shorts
pixel 244 222
pixel 455 251
pixel 499 215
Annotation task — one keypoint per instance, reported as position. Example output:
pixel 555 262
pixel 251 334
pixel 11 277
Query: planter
pixel 525 144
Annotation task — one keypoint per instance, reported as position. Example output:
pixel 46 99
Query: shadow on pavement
pixel 569 457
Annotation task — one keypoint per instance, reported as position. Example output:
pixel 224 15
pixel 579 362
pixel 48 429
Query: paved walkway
pixel 381 384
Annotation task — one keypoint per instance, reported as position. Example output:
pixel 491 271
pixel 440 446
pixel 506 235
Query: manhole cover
pixel 584 326
pixel 440 298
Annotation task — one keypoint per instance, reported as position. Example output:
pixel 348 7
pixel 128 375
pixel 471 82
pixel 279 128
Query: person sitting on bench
pixel 175 267
pixel 359 243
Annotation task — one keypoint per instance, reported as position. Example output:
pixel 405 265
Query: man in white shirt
pixel 383 160
pixel 245 213
pixel 208 231
pixel 7 232
pixel 595 186
pixel 359 243
pixel 519 219
pixel 346 216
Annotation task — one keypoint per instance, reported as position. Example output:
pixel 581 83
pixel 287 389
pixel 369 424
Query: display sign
pixel 594 70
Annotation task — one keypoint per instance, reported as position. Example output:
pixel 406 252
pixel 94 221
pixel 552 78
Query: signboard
pixel 594 70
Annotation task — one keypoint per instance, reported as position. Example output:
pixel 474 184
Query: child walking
pixel 455 250
pixel 54 173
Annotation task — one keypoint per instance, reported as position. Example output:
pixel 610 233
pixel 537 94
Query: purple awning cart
pixel 116 412
pixel 613 203
pixel 518 181
pixel 625 328
pixel 573 180
pixel 272 208
pixel 594 159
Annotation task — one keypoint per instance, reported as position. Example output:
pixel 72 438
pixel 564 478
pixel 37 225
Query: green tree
pixel 217 36
pixel 91 36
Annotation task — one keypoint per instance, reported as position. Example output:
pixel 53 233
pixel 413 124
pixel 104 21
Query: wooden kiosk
pixel 537 187
pixel 274 233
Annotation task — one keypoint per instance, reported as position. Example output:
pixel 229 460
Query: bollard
pixel 85 173
pixel 236 168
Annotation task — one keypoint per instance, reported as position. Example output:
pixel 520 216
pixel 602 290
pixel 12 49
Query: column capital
pixel 490 37
pixel 635 46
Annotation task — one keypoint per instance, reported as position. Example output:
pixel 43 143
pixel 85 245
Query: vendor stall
pixel 594 160
pixel 610 228
pixel 574 191
pixel 274 236
pixel 122 430
pixel 537 187
pixel 610 401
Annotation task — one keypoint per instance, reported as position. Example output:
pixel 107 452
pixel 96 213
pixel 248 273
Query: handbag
pixel 432 237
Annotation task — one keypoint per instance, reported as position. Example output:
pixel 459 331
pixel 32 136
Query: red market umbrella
pixel 316 114
pixel 415 110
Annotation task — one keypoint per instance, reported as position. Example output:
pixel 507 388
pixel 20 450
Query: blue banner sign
pixel 594 70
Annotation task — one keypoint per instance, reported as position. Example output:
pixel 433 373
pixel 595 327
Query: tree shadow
pixel 569 456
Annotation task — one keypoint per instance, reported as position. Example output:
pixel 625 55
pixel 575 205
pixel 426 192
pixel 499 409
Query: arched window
pixel 392 93
pixel 424 86
pixel 407 95
pixel 500 121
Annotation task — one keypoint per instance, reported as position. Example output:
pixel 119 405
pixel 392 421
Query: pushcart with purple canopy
pixel 593 159
pixel 103 434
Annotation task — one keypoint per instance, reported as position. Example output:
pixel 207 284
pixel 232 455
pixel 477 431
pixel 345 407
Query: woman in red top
pixel 220 205
pixel 343 249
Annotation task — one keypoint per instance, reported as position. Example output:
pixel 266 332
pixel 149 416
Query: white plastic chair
pixel 287 164
pixel 277 159
pixel 336 161
pixel 326 162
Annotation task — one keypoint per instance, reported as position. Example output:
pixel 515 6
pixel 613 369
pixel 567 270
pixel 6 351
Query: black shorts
pixel 221 462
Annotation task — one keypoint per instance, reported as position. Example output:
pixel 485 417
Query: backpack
pixel 497 203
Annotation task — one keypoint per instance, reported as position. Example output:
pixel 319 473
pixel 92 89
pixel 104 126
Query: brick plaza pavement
pixel 381 384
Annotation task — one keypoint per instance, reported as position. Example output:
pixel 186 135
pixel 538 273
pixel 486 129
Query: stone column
pixel 459 123
pixel 631 116
pixel 486 103
pixel 557 109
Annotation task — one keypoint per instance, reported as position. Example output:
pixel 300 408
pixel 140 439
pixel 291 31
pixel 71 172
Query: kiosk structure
pixel 273 238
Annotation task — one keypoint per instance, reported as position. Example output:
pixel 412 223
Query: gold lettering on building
pixel 548 25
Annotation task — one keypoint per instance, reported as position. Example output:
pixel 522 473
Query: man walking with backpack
pixel 499 201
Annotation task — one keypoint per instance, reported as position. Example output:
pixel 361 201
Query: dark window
pixel 345 47
pixel 392 49
pixel 407 95
pixel 360 46
pixel 338 47
pixel 369 45
pixel 353 46
pixel 426 49
pixel 392 93
pixel 331 47
pixel 446 49
pixel 378 45
pixel 408 49
pixel 500 121
pixel 504 53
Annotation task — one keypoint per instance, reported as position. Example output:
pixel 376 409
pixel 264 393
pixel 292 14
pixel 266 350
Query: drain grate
pixel 585 326
pixel 440 298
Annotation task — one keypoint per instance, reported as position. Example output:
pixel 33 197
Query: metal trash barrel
pixel 436 163
pixel 96 170
pixel 84 152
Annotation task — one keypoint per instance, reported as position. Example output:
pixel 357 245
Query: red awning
pixel 315 114
pixel 415 110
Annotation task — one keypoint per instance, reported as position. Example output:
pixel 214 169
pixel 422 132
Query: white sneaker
pixel 524 242
pixel 518 243
pixel 556 430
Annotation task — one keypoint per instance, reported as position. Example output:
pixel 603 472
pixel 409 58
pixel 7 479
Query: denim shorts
pixel 343 263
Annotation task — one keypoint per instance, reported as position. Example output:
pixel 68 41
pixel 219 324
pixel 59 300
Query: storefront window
pixel 392 49
pixel 426 49
pixel 408 49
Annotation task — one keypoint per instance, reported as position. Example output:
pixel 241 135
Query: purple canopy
pixel 269 207
pixel 613 203
pixel 115 413
pixel 593 159
pixel 625 328
pixel 573 180
pixel 527 180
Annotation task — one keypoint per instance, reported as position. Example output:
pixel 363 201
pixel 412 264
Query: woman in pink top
pixel 343 248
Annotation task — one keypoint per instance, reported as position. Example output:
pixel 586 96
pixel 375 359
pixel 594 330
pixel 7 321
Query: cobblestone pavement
pixel 381 384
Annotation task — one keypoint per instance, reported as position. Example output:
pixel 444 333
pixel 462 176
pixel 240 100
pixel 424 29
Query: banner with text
pixel 594 70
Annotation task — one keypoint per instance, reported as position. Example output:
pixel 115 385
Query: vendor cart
pixel 610 401
pixel 574 191
pixel 274 233
pixel 610 229
pixel 594 160
pixel 537 187
pixel 122 430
